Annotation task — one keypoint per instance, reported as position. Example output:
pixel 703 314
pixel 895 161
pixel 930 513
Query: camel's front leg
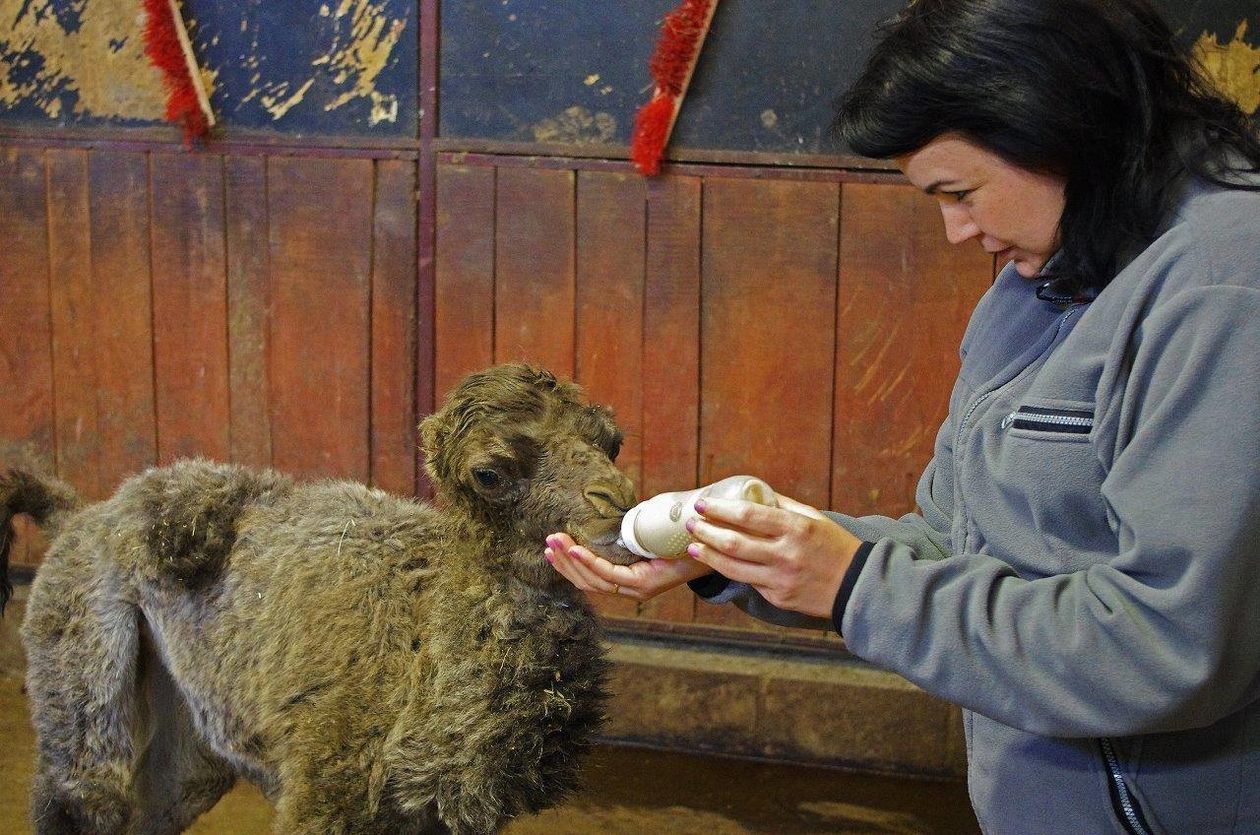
pixel 320 802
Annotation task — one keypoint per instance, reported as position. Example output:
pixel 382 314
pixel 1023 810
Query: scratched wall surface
pixel 338 67
pixel 558 71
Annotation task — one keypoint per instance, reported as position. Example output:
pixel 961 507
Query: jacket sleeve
pixel 1164 637
pixel 924 535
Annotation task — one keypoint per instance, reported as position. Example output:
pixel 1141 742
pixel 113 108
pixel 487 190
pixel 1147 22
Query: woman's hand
pixel 640 581
pixel 793 555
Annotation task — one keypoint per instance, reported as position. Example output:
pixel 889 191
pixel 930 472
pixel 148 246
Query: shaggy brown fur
pixel 375 665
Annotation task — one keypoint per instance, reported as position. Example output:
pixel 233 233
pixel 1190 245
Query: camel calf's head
pixel 524 455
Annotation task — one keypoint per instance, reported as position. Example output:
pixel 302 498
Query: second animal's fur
pixel 372 663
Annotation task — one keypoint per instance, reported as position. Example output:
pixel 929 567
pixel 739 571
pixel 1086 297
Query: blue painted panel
pixel 269 52
pixel 578 72
pixel 768 78
pixel 340 67
pixel 564 71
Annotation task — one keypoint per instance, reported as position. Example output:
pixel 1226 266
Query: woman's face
pixel 1013 212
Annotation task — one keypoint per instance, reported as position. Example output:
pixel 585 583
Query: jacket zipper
pixel 975 404
pixel 1127 810
pixel 959 501
pixel 1070 421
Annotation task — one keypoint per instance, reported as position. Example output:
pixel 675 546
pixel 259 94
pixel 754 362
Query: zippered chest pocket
pixel 1037 499
pixel 1049 423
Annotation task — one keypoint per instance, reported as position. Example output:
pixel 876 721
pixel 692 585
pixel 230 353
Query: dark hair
pixel 1100 92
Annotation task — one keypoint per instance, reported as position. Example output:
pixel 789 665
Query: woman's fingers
pixel 586 574
pixel 607 577
pixel 557 554
pixel 759 520
pixel 560 541
pixel 736 543
pixel 752 532
pixel 652 577
pixel 746 516
pixel 639 581
pixel 794 558
pixel 800 507
pixel 784 552
pixel 568 569
pixel 731 567
pixel 591 572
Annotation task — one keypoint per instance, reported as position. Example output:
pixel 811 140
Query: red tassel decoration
pixel 167 45
pixel 677 51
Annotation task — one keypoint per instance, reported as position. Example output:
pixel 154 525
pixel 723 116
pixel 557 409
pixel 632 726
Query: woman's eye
pixel 956 196
pixel 487 478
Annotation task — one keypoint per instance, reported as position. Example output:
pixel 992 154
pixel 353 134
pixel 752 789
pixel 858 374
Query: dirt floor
pixel 628 791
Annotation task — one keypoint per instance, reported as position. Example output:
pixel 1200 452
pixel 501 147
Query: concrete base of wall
pixel 771 705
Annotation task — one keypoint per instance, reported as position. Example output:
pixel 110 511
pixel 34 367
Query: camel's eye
pixel 614 449
pixel 488 478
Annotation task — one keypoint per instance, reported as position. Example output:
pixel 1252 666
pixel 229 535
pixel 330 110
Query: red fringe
pixel 651 132
pixel 681 31
pixel 161 45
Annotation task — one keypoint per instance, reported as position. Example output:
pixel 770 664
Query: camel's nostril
pixel 609 501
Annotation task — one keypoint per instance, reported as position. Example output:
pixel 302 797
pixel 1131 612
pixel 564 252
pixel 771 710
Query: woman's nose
pixel 959 226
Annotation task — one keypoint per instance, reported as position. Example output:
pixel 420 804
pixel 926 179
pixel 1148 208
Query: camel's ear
pixel 434 432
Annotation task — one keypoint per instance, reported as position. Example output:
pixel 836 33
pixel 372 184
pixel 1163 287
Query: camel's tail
pixel 46 499
pixel 192 512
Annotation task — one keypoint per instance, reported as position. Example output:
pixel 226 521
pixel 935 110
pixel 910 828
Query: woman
pixel 1083 576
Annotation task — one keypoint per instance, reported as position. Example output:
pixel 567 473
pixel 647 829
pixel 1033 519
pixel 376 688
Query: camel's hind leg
pixel 81 645
pixel 178 776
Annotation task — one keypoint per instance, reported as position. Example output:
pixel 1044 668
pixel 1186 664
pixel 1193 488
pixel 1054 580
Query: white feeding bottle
pixel 657 527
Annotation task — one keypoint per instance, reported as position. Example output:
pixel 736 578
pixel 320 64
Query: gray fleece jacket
pixel 1083 577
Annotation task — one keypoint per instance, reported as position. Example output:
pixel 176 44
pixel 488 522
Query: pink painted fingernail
pixel 690 526
pixel 700 505
pixel 573 552
pixel 694 549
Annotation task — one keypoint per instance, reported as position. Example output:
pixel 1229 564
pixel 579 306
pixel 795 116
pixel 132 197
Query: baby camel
pixel 374 664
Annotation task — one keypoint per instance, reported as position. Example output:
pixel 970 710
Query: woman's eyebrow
pixel 937 185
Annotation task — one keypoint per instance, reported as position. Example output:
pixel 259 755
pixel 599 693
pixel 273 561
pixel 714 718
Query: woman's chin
pixel 1028 267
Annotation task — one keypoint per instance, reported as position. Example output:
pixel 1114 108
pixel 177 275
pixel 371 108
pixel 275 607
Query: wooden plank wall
pixel 800 327
pixel 262 308
pixel 164 304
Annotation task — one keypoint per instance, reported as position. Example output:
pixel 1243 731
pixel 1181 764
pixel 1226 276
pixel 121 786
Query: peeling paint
pixel 278 102
pixel 357 60
pixel 79 58
pixel 1235 66
pixel 576 126
pixel 360 40
pixel 83 60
